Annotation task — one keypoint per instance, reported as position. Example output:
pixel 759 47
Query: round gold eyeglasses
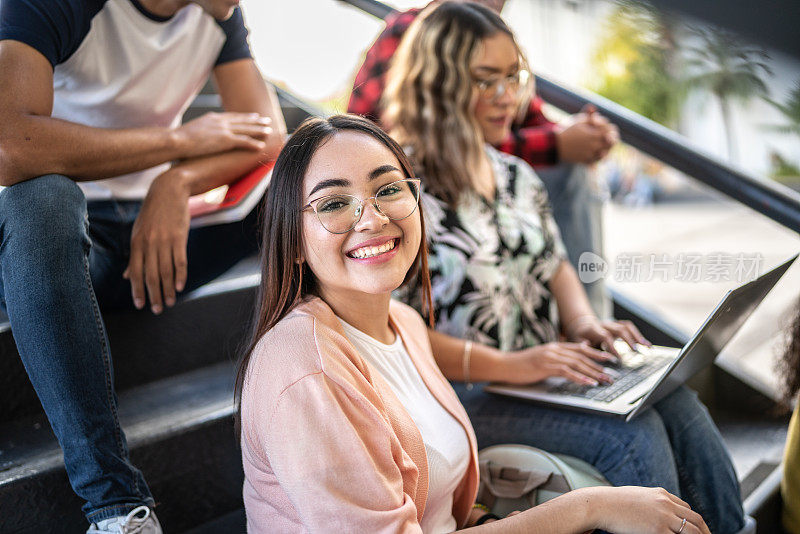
pixel 339 213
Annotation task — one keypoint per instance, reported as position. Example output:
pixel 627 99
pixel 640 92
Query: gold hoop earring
pixel 299 294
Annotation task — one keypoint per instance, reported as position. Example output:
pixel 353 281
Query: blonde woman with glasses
pixel 498 265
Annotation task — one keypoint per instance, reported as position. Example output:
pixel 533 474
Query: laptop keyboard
pixel 627 378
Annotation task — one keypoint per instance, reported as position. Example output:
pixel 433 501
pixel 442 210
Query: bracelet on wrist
pixel 465 364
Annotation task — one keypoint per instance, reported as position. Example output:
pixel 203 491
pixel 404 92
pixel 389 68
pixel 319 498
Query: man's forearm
pixel 34 145
pixel 205 173
pixel 242 90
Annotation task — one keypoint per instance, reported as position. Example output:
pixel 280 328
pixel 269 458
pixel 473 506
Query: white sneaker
pixel 141 520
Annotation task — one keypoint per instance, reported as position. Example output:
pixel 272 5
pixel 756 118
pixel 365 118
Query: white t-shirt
pixel 115 65
pixel 446 443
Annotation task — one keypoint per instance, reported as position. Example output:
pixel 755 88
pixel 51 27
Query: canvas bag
pixel 518 477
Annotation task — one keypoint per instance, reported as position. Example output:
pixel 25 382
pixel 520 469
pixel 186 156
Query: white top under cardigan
pixel 445 441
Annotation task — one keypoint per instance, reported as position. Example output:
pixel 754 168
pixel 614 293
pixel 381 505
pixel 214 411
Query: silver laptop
pixel 647 375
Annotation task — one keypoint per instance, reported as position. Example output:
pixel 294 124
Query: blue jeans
pixel 674 445
pixel 61 262
pixel 578 211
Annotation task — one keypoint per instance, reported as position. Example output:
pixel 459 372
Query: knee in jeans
pixel 645 451
pixel 682 405
pixel 52 205
pixel 645 437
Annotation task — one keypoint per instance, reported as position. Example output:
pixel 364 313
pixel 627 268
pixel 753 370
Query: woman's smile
pixel 376 250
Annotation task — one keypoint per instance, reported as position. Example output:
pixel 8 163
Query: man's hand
pixel 587 137
pixel 213 133
pixel 158 244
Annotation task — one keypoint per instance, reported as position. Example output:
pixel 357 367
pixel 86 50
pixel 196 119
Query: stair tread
pixel 147 413
pixel 243 275
pixel 173 404
pixel 752 440
pixel 204 328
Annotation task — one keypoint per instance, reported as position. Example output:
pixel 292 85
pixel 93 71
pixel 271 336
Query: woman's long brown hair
pixel 285 279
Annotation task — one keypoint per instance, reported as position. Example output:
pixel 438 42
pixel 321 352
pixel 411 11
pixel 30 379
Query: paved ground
pixel 706 229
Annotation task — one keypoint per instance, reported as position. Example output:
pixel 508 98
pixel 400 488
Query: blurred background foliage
pixel 651 62
pixel 637 62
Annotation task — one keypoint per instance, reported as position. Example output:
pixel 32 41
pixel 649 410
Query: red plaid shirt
pixel 534 140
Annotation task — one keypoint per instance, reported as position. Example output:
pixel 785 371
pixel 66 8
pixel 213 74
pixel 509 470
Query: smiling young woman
pixel 347 424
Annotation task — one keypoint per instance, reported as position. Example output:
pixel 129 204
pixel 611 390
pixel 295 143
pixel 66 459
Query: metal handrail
pixel 373 7
pixel 771 199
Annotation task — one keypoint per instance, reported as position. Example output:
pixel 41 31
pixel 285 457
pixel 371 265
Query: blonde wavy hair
pixel 430 95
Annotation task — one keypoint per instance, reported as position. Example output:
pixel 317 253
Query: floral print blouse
pixel 490 261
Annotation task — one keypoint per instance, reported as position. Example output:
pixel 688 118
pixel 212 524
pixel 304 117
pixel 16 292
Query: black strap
pixel 484 518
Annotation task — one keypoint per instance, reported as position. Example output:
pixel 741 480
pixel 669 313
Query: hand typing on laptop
pixel 605 334
pixel 644 374
pixel 627 356
pixel 626 374
pixel 578 363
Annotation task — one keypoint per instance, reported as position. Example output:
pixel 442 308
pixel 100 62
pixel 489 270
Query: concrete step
pixel 205 327
pixel 231 523
pixel 180 434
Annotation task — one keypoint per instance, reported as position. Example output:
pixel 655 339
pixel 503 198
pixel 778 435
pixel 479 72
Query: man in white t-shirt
pixel 98 170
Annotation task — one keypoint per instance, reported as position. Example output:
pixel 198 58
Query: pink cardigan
pixel 326 445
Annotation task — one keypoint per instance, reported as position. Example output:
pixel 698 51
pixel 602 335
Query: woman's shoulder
pixel 406 315
pixel 303 343
pixel 502 158
pixel 287 349
pixel 303 364
pixel 296 329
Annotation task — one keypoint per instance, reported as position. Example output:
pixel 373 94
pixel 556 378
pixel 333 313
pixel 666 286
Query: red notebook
pixel 232 202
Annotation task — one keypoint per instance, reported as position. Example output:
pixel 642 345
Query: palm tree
pixel 637 62
pixel 729 70
pixel 790 110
